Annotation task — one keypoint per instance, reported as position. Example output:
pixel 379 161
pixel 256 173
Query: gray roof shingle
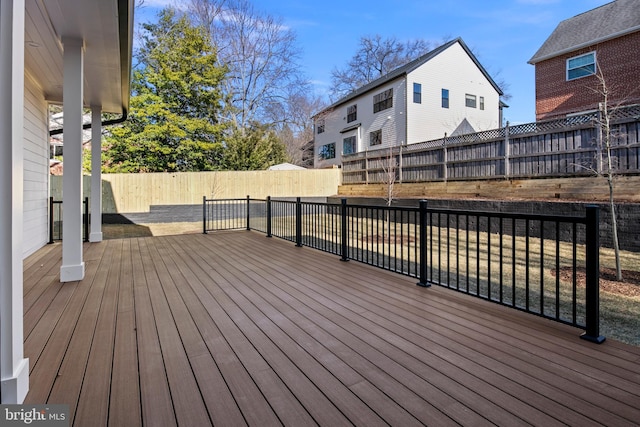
pixel 407 68
pixel 608 21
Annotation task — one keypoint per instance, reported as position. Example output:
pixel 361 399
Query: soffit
pixel 97 23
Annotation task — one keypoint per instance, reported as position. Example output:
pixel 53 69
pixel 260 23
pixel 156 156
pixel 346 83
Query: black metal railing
pixel 531 262
pixel 55 220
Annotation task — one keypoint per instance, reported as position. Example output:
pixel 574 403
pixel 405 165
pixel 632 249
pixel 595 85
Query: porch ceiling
pixel 106 26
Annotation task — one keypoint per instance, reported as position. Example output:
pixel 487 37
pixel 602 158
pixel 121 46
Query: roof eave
pixel 534 60
pixel 406 69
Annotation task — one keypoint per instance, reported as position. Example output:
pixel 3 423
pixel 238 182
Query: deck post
pixel 204 214
pixel 72 268
pixel 248 213
pixel 85 220
pixel 96 177
pixel 298 222
pixel 268 216
pixel 51 220
pixel 422 213
pixel 14 367
pixel 592 294
pixel 344 232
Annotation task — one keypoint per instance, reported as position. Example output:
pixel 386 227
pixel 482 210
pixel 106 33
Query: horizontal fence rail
pixel 55 220
pixel 541 264
pixel 554 148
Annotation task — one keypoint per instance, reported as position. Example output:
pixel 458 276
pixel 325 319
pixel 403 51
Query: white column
pixel 72 265
pixel 96 175
pixel 14 368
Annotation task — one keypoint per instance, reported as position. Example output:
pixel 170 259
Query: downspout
pixel 110 122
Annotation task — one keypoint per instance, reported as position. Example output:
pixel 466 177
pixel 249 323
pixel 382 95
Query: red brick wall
pixel 619 60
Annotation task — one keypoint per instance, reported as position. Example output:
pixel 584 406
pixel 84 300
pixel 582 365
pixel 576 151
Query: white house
pixel 76 53
pixel 446 91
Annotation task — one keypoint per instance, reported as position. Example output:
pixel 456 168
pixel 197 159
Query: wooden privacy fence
pixel 572 146
pixel 138 192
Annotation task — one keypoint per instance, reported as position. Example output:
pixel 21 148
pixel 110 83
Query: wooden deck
pixel 235 329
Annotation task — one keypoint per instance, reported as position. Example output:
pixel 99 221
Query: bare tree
pixel 389 174
pixel 205 12
pixel 260 54
pixel 375 57
pixel 295 125
pixel 607 166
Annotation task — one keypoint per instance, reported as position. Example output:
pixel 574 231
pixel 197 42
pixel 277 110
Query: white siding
pixel 391 121
pixel 36 168
pixel 452 69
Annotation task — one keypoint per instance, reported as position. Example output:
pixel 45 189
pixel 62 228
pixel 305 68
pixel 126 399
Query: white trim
pixel 96 175
pixel 14 368
pixel 72 268
pixel 595 65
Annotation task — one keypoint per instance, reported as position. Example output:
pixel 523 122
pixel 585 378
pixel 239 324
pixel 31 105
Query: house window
pixel 320 126
pixel 445 98
pixel 352 113
pixel 349 145
pixel 383 100
pixel 375 137
pixel 470 100
pixel 328 151
pixel 581 66
pixel 417 93
pixel 482 102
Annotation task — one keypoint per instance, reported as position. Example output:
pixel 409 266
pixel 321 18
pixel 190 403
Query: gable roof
pixel 603 23
pixel 409 67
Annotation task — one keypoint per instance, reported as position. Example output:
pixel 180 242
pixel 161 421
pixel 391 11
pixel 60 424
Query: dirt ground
pixel 628 287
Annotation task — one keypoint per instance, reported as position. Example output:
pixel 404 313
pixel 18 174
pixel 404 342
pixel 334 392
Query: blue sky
pixel 504 34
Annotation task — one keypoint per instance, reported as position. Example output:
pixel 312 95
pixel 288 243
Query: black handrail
pixel 500 257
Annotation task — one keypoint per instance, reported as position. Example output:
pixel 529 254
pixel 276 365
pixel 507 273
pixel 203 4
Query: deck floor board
pixel 233 328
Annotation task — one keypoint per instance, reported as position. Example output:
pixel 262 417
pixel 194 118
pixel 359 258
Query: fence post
pixel 445 171
pixel 366 166
pixel 248 213
pixel 204 214
pixel 268 216
pixel 344 232
pixel 298 222
pixel 86 220
pixel 599 138
pixel 592 294
pixel 507 152
pixel 50 220
pixel 423 244
pixel 400 164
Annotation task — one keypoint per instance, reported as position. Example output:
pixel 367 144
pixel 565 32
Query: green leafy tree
pixel 255 148
pixel 176 101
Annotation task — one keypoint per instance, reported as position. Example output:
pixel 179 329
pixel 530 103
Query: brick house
pixel 603 40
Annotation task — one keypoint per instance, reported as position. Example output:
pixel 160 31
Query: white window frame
pixel 375 140
pixel 417 93
pixel 595 66
pixel 470 100
pixel 328 151
pixel 351 139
